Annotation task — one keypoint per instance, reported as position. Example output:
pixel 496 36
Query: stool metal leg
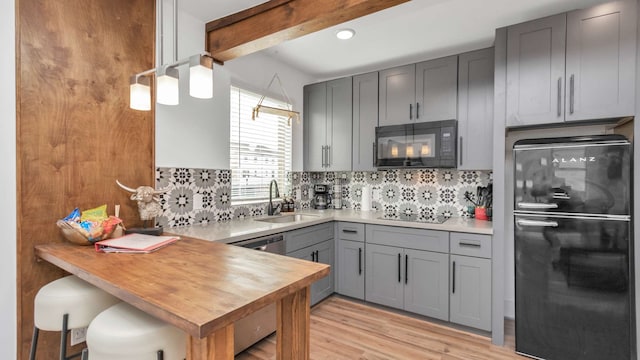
pixel 34 343
pixel 160 355
pixel 63 339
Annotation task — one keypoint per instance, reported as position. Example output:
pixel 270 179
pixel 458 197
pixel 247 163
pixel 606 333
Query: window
pixel 260 149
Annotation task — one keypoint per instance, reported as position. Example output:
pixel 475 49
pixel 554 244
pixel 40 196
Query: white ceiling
pixel 410 32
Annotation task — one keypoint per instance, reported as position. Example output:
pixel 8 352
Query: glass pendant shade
pixel 168 86
pixel 201 77
pixel 139 93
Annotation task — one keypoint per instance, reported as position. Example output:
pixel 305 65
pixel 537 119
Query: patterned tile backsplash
pixel 197 196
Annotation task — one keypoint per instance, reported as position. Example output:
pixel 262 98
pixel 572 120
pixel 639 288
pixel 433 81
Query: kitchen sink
pixel 288 218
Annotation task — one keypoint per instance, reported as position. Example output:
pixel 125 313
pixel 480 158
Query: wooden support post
pixel 218 346
pixel 293 329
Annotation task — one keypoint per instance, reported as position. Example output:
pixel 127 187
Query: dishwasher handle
pixel 259 243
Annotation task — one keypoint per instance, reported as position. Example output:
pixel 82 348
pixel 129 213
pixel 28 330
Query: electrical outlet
pixel 78 336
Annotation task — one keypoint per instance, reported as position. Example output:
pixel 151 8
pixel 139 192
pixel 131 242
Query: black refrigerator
pixel 573 248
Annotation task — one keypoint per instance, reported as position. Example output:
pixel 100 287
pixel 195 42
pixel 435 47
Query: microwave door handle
pixel 525 222
pixel 537 206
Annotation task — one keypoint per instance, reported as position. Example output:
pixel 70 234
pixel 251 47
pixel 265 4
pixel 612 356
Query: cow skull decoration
pixel 148 200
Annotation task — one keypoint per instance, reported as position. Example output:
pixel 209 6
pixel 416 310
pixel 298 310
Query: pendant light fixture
pixel 201 77
pixel 140 93
pixel 168 75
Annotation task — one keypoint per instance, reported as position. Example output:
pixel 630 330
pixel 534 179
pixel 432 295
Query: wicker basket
pixel 76 237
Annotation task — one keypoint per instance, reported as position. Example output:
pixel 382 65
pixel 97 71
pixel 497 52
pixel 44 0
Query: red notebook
pixel 135 244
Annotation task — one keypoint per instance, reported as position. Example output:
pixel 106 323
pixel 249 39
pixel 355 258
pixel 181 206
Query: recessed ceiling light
pixel 345 34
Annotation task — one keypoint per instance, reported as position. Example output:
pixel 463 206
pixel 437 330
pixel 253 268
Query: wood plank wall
pixel 75 132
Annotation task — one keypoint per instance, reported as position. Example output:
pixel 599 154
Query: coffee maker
pixel 320 196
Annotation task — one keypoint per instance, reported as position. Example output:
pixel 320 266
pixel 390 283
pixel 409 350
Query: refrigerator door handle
pixel 537 206
pixel 525 222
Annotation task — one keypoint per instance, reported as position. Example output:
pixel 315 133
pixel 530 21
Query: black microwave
pixel 428 145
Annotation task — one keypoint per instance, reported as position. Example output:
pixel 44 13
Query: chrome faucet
pixel 271 210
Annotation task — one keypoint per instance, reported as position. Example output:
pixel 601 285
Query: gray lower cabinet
pixel 402 272
pixel 327 125
pixel 475 110
pixel 365 120
pixel 573 66
pixel 314 243
pixel 351 261
pixel 470 297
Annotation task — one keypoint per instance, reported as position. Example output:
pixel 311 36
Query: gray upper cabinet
pixel 397 95
pixel 574 66
pixel 315 123
pixel 365 120
pixel 475 110
pixel 436 89
pixel 327 125
pixel 600 75
pixel 426 91
pixel 535 71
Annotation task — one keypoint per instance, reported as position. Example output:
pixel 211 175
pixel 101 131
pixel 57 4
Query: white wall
pixel 195 134
pixel 8 309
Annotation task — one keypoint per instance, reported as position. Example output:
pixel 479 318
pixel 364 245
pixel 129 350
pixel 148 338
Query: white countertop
pixel 236 230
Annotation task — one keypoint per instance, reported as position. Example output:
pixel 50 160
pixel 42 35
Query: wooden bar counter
pixel 202 288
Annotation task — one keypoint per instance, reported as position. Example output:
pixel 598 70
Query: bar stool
pixel 125 333
pixel 64 304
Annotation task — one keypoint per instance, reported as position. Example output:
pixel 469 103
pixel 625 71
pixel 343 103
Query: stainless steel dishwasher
pixel 254 327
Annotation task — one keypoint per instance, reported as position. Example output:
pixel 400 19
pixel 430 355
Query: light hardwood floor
pixel 346 329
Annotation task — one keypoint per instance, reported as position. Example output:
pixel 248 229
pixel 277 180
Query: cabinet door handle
pixel 329 155
pixel 322 156
pixel 313 256
pixel 406 269
pixel 469 244
pixel 349 231
pixel 399 261
pixel 374 154
pixel 453 290
pixel 359 261
pixel 571 93
pixel 317 255
pixel 560 96
pixel 410 111
pixel 460 150
pixel 417 110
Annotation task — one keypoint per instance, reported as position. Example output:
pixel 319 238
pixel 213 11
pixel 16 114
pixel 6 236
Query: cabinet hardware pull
pixel 571 93
pixel 359 261
pixel 313 256
pixel 469 244
pixel 322 156
pixel 406 269
pixel 410 111
pixel 417 110
pixel 560 96
pixel 460 150
pixel 349 231
pixel 317 256
pixel 399 260
pixel 329 155
pixel 453 290
pixel 374 154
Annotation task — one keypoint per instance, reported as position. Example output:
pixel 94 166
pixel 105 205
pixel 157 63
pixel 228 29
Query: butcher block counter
pixel 203 287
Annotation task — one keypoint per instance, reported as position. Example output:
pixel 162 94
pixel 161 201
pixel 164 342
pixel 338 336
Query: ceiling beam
pixel 277 21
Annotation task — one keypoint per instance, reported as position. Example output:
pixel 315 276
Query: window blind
pixel 260 149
